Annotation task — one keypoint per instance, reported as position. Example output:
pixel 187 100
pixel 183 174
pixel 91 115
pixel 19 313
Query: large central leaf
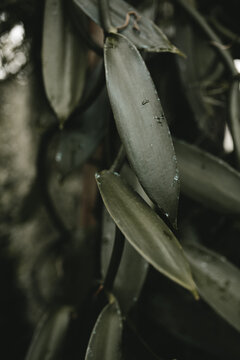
pixel 141 123
pixel 144 229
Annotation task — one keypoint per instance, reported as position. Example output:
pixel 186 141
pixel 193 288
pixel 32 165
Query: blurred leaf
pixel 132 270
pixel 208 179
pixel 63 60
pixel 106 337
pixel 48 339
pixel 144 229
pixel 194 323
pixel 77 145
pixel 149 38
pixel 141 123
pixel 201 74
pixel 217 280
pixel 234 108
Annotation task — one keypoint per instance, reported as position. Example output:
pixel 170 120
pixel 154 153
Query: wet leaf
pixel 141 123
pixel 144 229
pixel 63 60
pixel 149 38
pixel 48 339
pixel 106 337
pixel 75 146
pixel 208 179
pixel 133 267
pixel 217 280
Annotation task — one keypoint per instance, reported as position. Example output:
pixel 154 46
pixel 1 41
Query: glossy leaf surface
pixel 63 60
pixel 141 123
pixel 217 280
pixel 106 337
pixel 208 179
pixel 144 229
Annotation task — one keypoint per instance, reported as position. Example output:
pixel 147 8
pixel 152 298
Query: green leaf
pixel 133 267
pixel 144 229
pixel 194 323
pixel 106 338
pixel 208 179
pixel 132 270
pixel 48 339
pixel 141 123
pixel 149 38
pixel 75 146
pixel 63 60
pixel 217 280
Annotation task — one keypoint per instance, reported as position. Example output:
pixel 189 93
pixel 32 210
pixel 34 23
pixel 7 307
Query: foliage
pixel 134 194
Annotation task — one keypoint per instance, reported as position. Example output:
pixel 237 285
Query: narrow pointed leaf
pixel 49 336
pixel 141 123
pixel 218 282
pixel 144 229
pixel 208 179
pixel 63 60
pixel 149 38
pixel 132 270
pixel 106 338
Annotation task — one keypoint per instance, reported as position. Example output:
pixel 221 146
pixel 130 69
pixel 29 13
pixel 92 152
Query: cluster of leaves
pixel 125 272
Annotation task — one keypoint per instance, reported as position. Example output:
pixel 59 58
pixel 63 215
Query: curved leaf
pixel 132 270
pixel 144 229
pixel 141 123
pixel 149 38
pixel 208 179
pixel 49 336
pixel 217 280
pixel 63 60
pixel 106 337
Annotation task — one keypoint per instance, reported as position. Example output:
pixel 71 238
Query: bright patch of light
pixel 237 64
pixel 12 55
pixel 228 141
pixel 16 35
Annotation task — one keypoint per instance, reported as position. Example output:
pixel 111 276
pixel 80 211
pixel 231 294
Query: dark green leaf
pixel 49 336
pixel 141 123
pixel 144 229
pixel 64 60
pixel 149 38
pixel 77 145
pixel 217 280
pixel 106 337
pixel 208 179
pixel 132 270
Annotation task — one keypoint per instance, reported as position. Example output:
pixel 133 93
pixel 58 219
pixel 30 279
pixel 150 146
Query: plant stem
pixel 119 160
pixel 115 260
pixel 199 19
pixel 106 17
